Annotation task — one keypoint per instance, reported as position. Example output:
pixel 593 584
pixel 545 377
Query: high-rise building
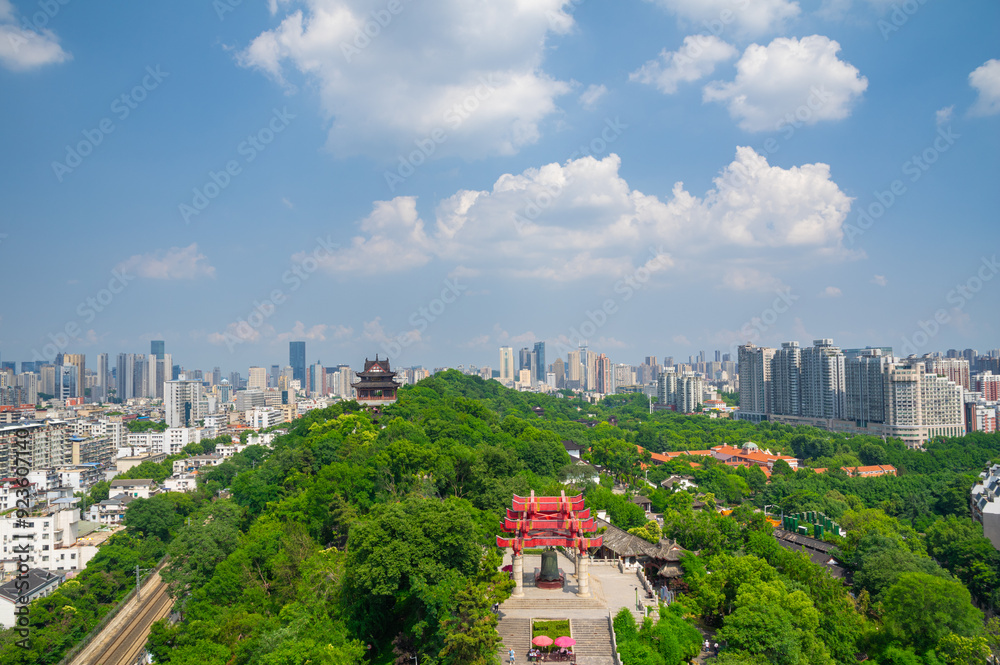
pixel 257 379
pixel 216 376
pixel 506 363
pixel 103 377
pixel 786 369
pixel 574 369
pixel 181 401
pixel 297 360
pixel 79 364
pixel 66 385
pixel 822 382
pixel 559 369
pixel 157 347
pixel 272 379
pixel 524 359
pixel 604 375
pixel 539 360
pixel 865 386
pixel 954 369
pixel 28 382
pixel 988 384
pixel 755 382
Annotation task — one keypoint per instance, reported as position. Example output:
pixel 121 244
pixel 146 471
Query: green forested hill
pixel 359 540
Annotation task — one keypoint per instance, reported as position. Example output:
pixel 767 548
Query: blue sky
pixel 436 180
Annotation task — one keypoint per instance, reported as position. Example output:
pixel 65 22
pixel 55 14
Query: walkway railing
pixel 614 639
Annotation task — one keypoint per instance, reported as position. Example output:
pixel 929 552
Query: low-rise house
pixel 41 583
pixel 195 462
pixel 181 482
pixel 111 510
pixel 141 488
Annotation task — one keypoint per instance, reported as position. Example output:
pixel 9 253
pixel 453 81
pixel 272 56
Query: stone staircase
pixel 593 641
pixel 554 604
pixel 516 634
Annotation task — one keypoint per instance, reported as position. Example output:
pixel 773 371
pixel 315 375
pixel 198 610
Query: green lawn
pixel 553 629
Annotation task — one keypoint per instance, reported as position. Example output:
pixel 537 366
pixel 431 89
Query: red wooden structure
pixel 548 521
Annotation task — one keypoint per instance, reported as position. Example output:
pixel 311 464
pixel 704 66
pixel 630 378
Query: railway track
pixel 126 645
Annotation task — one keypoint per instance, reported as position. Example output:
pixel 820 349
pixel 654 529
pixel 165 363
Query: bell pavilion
pixel 377 384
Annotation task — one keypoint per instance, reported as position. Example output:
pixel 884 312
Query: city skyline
pixel 628 169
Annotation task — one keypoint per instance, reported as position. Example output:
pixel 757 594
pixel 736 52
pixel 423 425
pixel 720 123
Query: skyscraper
pixel 258 379
pixel 101 389
pixel 157 347
pixel 786 370
pixel 865 389
pixel 822 382
pixel 506 363
pixel 524 359
pixel 755 382
pixel 539 357
pixel 79 364
pixel 297 359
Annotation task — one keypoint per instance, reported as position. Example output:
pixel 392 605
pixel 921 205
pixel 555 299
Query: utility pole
pixel 137 585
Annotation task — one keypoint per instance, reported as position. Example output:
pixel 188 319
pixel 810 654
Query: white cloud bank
pixel 471 69
pixel 695 60
pixel 175 263
pixel 579 219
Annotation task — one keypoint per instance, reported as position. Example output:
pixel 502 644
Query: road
pixel 124 638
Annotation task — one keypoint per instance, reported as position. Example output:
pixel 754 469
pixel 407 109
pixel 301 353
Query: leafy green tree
pixel 152 517
pixel 921 609
pixel 649 531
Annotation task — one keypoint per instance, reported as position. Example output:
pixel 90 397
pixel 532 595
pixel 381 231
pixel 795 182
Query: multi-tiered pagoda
pixel 376 384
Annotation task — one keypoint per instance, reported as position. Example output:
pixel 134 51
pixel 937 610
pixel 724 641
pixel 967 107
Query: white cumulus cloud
pixel 986 80
pixel 830 292
pixel 789 81
pixel 566 222
pixel 174 263
pixel 22 48
pixel 469 69
pixel 695 60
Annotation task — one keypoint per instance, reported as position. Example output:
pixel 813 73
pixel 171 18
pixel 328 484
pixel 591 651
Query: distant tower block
pixel 377 384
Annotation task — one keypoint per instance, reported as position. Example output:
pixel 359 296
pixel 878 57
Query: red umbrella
pixel 565 641
pixel 542 641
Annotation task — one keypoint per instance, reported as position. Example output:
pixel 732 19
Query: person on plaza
pixel 511 657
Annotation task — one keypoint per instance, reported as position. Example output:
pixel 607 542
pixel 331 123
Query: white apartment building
pixel 47 538
pixel 170 441
pixel 262 418
pixel 182 403
pixel 985 503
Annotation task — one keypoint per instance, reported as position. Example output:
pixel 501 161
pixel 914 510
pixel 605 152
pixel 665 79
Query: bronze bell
pixel 550 567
